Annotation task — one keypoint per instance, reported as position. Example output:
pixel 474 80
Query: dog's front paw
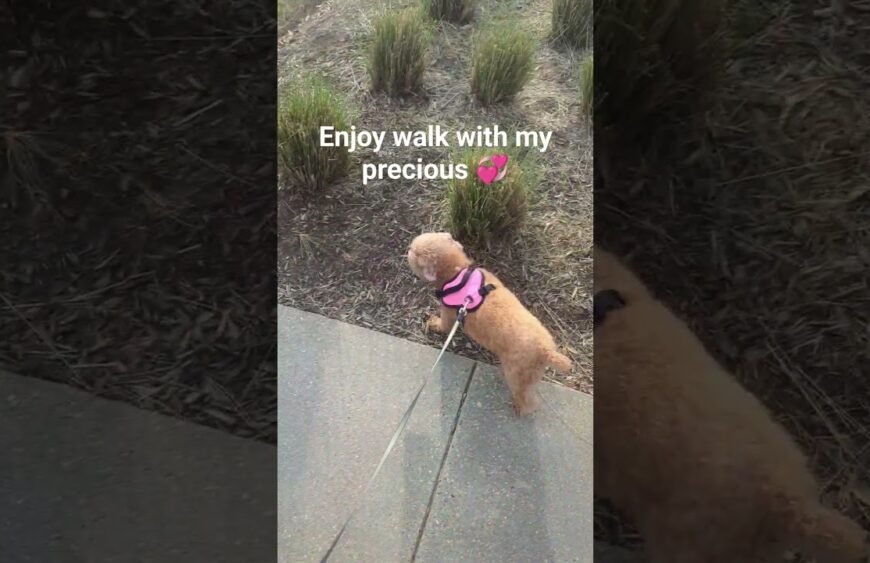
pixel 434 323
pixel 525 404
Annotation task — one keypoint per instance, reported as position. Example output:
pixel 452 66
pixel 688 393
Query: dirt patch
pixel 293 12
pixel 134 208
pixel 342 254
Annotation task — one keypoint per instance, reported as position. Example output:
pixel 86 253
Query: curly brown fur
pixel 501 325
pixel 700 465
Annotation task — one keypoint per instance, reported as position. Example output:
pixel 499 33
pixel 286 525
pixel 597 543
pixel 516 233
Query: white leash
pixel 401 428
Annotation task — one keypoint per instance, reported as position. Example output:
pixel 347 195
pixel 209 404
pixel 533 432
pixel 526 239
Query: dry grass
pixel 502 64
pixel 480 214
pixel 303 108
pixel 586 84
pixel 398 52
pixel 343 256
pixel 572 23
pixel 285 10
pixel 760 234
pixel 291 12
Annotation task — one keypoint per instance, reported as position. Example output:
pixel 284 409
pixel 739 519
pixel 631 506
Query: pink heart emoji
pixel 487 174
pixel 500 160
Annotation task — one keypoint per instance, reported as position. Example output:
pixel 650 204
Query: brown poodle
pixel 699 464
pixel 501 324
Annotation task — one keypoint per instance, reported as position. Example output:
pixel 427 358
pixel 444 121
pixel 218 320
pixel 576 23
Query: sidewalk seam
pixel 443 463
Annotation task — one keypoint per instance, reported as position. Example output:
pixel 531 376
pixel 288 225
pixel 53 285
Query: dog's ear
pixel 429 270
pixel 423 264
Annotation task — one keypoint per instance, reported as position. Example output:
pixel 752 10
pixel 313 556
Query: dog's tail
pixel 825 535
pixel 559 362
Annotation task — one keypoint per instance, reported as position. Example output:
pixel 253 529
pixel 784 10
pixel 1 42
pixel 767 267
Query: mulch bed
pixel 759 235
pixel 138 200
pixel 342 252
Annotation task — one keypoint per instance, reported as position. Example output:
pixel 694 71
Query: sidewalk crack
pixel 443 462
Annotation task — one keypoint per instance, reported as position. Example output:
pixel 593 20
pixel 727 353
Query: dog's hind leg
pixel 521 380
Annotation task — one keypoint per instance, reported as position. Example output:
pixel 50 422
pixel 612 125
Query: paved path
pixel 83 479
pixel 467 482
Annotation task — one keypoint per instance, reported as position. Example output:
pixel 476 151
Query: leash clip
pixel 463 311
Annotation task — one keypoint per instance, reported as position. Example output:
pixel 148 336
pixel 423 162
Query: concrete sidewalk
pixel 85 479
pixel 468 480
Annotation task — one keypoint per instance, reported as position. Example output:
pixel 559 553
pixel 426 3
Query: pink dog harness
pixel 467 288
